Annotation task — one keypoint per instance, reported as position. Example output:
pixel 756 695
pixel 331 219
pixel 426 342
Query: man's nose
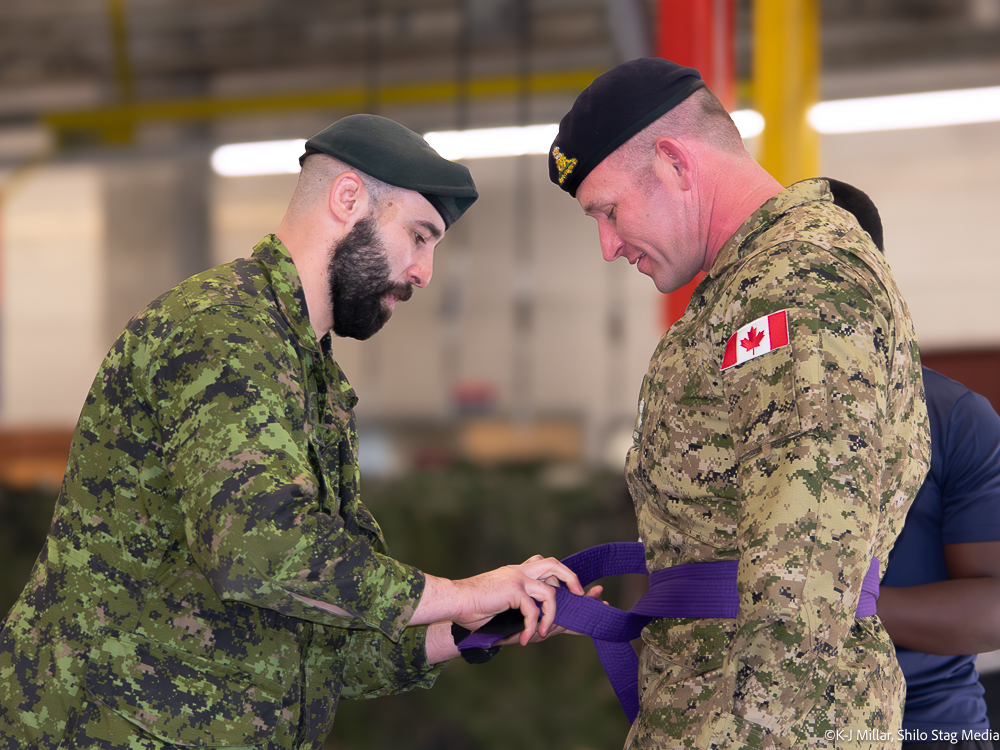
pixel 419 274
pixel 611 244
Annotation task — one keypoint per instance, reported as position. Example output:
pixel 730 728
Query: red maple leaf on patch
pixel 753 339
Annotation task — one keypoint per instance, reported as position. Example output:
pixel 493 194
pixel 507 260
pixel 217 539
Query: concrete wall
pixel 937 190
pixel 54 295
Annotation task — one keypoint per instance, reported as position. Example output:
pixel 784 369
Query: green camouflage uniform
pixel 212 483
pixel 801 464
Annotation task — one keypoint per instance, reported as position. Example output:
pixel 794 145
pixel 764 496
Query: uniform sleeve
pixel 811 426
pixel 259 521
pixel 376 666
pixel 971 472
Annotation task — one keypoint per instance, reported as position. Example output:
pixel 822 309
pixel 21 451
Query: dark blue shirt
pixel 958 502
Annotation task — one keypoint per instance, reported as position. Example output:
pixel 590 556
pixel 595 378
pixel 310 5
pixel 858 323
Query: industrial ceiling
pixel 90 58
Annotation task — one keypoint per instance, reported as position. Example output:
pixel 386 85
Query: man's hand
pixel 594 592
pixel 472 601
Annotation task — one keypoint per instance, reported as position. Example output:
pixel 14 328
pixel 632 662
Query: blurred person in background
pixel 940 596
pixel 781 431
pixel 211 577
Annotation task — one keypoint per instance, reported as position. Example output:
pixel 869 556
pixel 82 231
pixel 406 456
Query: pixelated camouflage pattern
pixel 212 483
pixel 801 464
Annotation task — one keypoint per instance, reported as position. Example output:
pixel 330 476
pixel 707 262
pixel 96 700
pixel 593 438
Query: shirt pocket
pixel 771 398
pixel 181 698
pixel 675 650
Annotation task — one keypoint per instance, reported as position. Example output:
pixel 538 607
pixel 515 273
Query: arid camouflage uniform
pixel 801 464
pixel 212 484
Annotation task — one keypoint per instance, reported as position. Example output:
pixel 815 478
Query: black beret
pixel 616 106
pixel 396 155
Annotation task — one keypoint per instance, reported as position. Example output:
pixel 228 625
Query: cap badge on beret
pixel 563 164
pixel 613 108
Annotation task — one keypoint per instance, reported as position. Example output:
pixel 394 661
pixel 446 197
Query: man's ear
pixel 348 198
pixel 672 163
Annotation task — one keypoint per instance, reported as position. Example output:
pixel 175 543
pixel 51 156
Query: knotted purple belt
pixel 693 590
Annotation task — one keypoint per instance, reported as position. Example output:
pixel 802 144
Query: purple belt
pixel 693 590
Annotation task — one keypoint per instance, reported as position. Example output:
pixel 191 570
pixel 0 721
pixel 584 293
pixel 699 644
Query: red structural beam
pixel 700 34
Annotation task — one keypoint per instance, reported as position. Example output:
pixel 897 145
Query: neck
pixel 735 198
pixel 310 251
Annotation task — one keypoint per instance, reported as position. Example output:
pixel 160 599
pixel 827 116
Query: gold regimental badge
pixel 564 165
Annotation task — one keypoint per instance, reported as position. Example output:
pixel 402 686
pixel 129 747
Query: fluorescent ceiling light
pixel 906 111
pixel 900 112
pixel 484 143
pixel 748 121
pixel 260 158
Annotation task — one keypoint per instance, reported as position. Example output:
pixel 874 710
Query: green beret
pixel 616 106
pixel 396 155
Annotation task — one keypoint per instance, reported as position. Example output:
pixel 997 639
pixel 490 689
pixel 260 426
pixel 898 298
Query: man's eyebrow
pixel 430 227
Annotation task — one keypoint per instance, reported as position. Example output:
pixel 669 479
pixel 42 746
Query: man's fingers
pixel 548 567
pixel 548 614
pixel 524 587
pixel 530 611
pixel 544 618
pixel 545 596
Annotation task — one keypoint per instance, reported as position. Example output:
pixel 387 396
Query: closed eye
pixel 598 211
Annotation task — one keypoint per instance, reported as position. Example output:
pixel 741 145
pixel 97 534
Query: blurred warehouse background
pixel 493 406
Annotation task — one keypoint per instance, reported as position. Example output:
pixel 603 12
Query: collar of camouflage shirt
pixel 806 191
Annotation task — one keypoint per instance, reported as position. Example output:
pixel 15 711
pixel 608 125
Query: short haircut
pixel 700 117
pixel 319 172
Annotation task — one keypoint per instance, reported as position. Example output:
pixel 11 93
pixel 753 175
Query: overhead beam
pixel 113 124
pixel 122 131
pixel 119 39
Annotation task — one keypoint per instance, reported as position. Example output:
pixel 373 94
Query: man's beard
pixel 360 280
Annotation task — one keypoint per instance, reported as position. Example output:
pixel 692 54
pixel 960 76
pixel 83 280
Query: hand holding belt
pixel 693 590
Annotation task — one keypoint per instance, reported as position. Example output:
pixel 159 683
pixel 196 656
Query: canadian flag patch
pixel 759 337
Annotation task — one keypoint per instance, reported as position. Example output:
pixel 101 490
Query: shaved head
pixel 700 117
pixel 319 172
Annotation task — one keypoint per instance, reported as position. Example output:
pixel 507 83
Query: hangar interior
pixel 526 347
pixel 109 198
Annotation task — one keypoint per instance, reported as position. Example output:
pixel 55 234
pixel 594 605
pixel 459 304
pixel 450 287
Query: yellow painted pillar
pixel 786 59
pixel 121 132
